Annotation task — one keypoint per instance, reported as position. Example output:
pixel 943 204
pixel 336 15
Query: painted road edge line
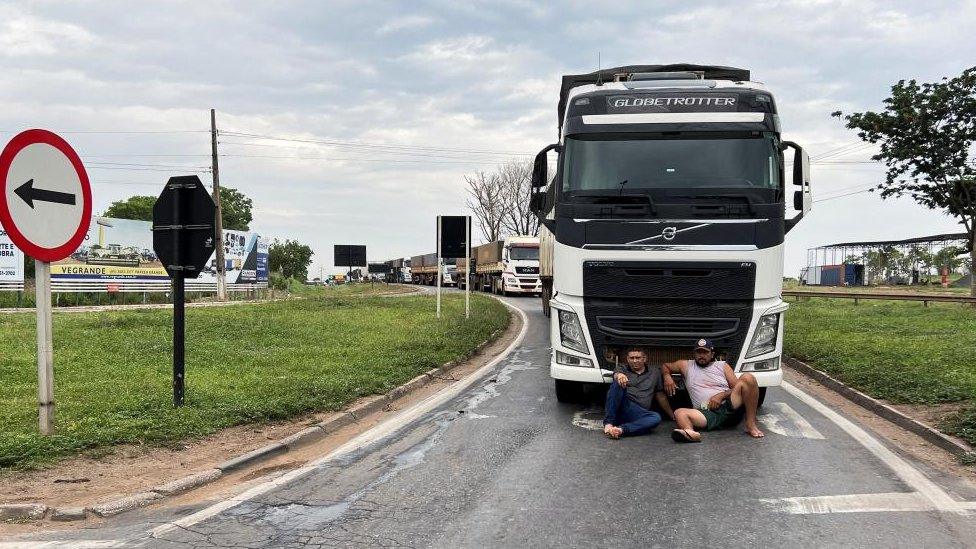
pixel 388 427
pixel 906 472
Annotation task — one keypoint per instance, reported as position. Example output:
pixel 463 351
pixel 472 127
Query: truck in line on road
pixel 665 220
pixel 423 270
pixel 398 271
pixel 508 267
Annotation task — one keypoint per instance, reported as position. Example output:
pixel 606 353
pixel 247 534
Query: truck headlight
pixel 571 332
pixel 572 360
pixel 767 365
pixel 764 340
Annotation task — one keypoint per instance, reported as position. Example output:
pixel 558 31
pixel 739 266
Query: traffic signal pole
pixel 179 342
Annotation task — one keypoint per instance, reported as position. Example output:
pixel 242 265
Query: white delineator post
pixel 439 267
pixel 467 268
pixel 45 347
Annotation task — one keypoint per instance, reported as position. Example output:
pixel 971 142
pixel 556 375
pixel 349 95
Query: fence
pixel 857 296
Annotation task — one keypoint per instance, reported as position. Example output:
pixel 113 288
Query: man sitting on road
pixel 634 388
pixel 719 398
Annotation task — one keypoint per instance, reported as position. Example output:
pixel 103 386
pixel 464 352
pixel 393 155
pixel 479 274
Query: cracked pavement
pixel 504 465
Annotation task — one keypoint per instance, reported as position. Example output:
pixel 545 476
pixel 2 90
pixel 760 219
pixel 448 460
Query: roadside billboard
pixel 118 253
pixel 11 263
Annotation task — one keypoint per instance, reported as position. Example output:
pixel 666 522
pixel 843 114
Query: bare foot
pixel 754 431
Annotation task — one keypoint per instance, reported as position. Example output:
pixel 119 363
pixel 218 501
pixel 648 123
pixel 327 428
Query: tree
pixel 235 209
pixel 925 134
pixel 291 258
pixel 515 178
pixel 135 207
pixel 487 202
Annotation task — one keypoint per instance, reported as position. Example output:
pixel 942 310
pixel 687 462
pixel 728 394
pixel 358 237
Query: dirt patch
pixel 906 441
pixel 930 414
pixel 130 469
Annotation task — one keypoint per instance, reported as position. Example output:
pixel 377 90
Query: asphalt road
pixel 503 464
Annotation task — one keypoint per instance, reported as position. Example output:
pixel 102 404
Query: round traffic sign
pixel 45 196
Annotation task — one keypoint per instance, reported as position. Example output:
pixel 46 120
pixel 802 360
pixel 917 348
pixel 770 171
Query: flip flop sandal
pixel 681 435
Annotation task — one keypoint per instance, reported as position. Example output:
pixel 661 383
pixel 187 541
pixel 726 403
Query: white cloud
pixel 408 22
pixel 25 35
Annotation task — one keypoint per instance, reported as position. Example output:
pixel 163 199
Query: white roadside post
pixel 467 267
pixel 45 208
pixel 439 267
pixel 45 347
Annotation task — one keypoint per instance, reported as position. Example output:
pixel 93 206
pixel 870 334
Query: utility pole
pixel 219 222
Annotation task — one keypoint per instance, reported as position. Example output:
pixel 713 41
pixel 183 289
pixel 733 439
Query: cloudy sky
pixel 355 122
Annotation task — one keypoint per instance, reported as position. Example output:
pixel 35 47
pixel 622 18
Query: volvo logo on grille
pixel 669 232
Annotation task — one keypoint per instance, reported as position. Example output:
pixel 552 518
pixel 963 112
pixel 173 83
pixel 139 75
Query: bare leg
pixel 746 393
pixel 690 420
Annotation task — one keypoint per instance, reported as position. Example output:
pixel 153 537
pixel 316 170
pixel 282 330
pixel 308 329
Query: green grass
pixel 902 352
pixel 113 370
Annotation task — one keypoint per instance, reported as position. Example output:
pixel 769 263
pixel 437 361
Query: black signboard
pixel 183 226
pixel 346 255
pixel 183 239
pixel 454 235
pixel 379 268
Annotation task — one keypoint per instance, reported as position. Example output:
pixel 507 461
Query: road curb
pixel 306 436
pixel 931 435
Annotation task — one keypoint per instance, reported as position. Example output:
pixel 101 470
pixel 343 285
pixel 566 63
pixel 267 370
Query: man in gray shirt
pixel 629 400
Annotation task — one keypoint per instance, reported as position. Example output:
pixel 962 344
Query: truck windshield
pixel 624 162
pixel 523 253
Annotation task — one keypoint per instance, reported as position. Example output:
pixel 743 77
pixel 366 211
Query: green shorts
pixel 723 417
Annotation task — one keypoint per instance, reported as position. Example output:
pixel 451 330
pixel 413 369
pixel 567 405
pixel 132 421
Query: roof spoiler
pixel 570 81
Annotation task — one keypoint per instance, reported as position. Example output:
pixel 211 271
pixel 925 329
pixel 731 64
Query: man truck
pixel 664 221
pixel 507 267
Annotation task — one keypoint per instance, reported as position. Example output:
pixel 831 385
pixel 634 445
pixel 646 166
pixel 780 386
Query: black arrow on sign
pixel 29 194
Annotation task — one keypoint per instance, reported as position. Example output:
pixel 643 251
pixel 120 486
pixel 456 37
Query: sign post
pixel 45 207
pixel 440 267
pixel 183 238
pixel 453 241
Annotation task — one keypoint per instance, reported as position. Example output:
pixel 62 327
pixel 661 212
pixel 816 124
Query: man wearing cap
pixel 634 389
pixel 720 399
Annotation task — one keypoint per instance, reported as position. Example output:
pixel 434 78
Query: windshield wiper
pixel 748 200
pixel 619 200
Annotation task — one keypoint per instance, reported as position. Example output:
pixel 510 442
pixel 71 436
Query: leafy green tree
pixel 291 258
pixel 235 209
pixel 926 132
pixel 134 207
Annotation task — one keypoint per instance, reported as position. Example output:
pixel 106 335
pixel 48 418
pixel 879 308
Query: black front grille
pixel 669 280
pixel 526 270
pixel 695 327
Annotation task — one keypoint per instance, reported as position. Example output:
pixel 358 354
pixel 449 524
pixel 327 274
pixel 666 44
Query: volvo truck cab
pixel 665 219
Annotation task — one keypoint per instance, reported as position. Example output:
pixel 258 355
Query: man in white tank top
pixel 719 399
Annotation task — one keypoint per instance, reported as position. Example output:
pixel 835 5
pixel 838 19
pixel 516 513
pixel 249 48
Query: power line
pixel 379 160
pixel 369 145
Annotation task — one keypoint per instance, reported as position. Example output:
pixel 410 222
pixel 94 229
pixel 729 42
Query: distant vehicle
pixel 148 255
pixel 423 270
pixel 509 266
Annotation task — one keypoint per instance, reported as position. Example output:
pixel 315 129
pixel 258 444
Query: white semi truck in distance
pixel 665 219
pixel 507 267
pixel 423 270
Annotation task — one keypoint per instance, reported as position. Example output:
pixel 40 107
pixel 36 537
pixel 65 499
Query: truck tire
pixel 762 396
pixel 568 391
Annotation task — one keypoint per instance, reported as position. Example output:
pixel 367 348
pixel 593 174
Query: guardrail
pixel 857 296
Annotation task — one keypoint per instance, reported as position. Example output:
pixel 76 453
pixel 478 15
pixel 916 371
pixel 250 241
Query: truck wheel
pixel 762 396
pixel 568 391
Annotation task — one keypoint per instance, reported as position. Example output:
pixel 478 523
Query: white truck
pixel 508 267
pixel 423 270
pixel 665 220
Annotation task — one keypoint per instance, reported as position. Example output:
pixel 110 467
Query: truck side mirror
pixel 537 202
pixel 803 198
pixel 540 167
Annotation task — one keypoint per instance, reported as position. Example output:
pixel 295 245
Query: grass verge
pixel 269 361
pixel 902 352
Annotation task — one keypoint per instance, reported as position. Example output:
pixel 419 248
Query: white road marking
pixel 854 503
pixel 382 430
pixel 782 419
pixel 930 491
